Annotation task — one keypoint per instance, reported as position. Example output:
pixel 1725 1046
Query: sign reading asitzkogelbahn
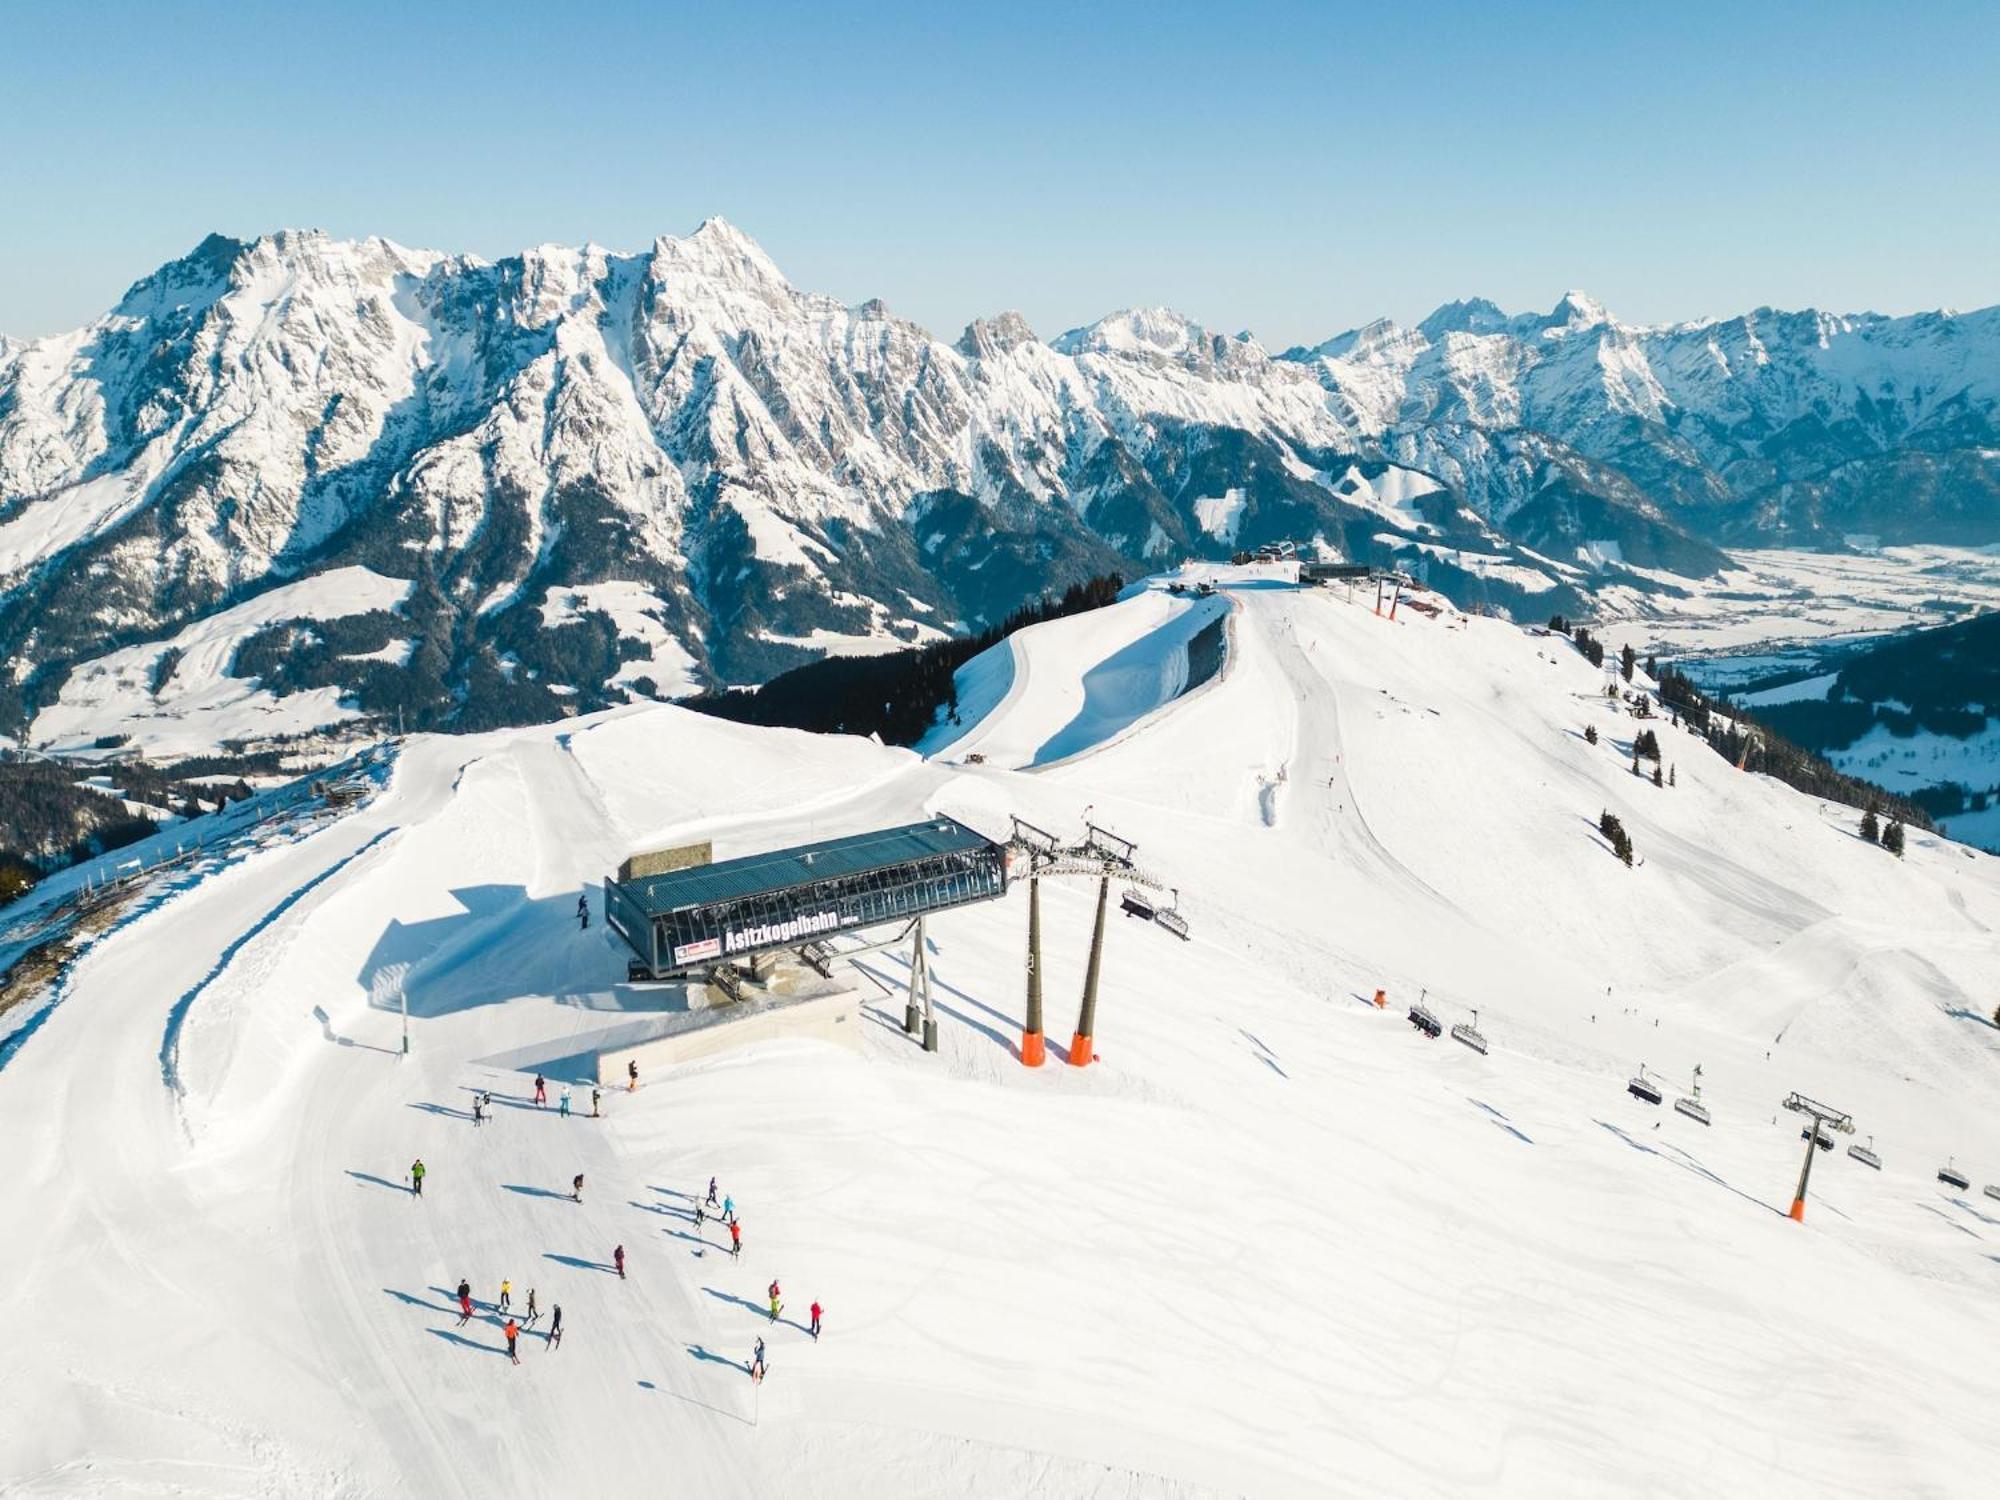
pixel 761 903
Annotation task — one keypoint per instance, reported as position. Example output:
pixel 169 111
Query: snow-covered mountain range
pixel 296 479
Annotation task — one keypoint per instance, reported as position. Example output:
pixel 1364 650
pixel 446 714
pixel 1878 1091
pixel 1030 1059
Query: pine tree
pixel 1635 760
pixel 1869 830
pixel 1892 839
pixel 1590 734
pixel 1658 779
pixel 1670 777
pixel 1653 668
pixel 1627 659
pixel 1614 833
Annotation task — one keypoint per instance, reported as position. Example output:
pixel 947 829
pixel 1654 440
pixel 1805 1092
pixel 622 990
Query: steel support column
pixel 1033 1049
pixel 1080 1052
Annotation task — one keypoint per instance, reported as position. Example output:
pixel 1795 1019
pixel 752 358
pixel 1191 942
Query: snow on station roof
pixel 806 864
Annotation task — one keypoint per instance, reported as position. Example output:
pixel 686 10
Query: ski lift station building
pixel 712 914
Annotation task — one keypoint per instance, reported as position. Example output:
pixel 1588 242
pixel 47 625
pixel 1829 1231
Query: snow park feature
pixel 1434 1266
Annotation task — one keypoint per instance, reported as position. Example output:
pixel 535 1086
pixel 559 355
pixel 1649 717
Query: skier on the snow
pixel 697 1216
pixel 478 1113
pixel 711 1192
pixel 506 1290
pixel 593 1104
pixel 757 1363
pixel 618 1260
pixel 775 1303
pixel 534 1312
pixel 632 1076
pixel 555 1326
pixel 583 912
pixel 513 1331
pixel 562 1104
pixel 464 1302
pixel 814 1330
pixel 735 1239
pixel 541 1091
pixel 417 1178
pixel 576 1187
pixel 729 1209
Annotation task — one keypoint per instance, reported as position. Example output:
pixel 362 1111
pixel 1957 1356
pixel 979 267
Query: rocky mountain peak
pixel 1001 334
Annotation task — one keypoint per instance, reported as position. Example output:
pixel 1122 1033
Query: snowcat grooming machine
pixel 1866 1154
pixel 1951 1176
pixel 1469 1033
pixel 1691 1106
pixel 1643 1088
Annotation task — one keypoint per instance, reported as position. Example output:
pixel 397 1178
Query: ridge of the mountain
pixel 585 474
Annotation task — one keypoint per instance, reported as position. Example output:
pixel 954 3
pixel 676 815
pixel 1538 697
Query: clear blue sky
pixel 1293 169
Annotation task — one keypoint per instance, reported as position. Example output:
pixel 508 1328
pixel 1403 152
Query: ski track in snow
pixel 1274 1243
pixel 177 1014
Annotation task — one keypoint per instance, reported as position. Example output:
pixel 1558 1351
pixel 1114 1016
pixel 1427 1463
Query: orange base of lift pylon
pixel 1079 1051
pixel 1381 1000
pixel 1032 1050
pixel 1798 1210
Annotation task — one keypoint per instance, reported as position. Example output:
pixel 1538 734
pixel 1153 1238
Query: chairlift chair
pixel 1949 1173
pixel 1991 1190
pixel 1422 1018
pixel 1692 1106
pixel 1170 917
pixel 1468 1032
pixel 1866 1154
pixel 1136 904
pixel 1818 1137
pixel 1643 1088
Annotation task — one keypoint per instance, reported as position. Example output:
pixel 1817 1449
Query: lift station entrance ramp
pixel 762 903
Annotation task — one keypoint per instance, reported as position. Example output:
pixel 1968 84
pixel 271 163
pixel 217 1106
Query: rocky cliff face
pixel 576 475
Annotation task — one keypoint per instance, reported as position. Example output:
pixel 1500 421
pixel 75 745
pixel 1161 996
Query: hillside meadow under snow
pixel 1273 1242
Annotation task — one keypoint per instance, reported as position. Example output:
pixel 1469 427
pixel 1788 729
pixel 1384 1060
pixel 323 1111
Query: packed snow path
pixel 1274 1242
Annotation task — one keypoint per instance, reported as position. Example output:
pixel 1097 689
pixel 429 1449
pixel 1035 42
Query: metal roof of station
pixel 785 869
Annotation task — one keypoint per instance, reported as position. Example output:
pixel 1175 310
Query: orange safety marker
pixel 1381 1000
pixel 1032 1051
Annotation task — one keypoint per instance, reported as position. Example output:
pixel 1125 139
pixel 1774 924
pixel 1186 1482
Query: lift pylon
pixel 1821 1114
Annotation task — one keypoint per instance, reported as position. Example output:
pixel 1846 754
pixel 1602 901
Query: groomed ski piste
pixel 1274 1241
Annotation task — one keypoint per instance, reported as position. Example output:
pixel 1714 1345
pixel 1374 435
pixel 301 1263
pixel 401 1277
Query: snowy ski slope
pixel 1273 1243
